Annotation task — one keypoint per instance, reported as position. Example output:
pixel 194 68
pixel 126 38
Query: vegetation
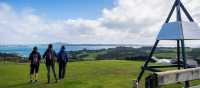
pixel 118 53
pixel 112 70
pixel 121 53
pixel 85 74
pixel 129 53
pixel 11 57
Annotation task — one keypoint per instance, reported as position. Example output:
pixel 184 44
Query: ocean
pixel 25 50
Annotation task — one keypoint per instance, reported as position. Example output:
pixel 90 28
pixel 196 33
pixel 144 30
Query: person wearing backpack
pixel 50 58
pixel 34 58
pixel 62 60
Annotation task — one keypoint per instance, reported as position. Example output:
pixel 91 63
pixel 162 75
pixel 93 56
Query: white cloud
pixel 129 21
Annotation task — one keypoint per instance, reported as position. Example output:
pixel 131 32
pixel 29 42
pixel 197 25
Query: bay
pixel 25 50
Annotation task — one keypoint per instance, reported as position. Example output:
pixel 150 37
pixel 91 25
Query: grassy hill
pixel 85 74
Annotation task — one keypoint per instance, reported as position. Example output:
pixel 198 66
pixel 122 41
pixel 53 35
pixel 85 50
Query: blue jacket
pixel 62 56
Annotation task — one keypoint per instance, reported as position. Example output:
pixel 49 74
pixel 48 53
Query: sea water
pixel 25 50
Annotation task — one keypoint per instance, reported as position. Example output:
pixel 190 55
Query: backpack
pixel 50 56
pixel 35 58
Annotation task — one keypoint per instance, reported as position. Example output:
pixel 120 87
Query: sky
pixel 86 21
pixel 63 9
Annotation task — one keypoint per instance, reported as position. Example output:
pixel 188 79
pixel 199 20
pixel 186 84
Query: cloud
pixel 129 21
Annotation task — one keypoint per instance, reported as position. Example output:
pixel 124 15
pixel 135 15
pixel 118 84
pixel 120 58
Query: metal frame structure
pixel 181 54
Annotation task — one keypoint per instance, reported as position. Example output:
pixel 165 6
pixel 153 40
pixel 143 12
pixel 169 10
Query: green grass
pixel 85 74
pixel 93 55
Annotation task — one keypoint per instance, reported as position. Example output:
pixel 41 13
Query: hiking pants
pixel 62 67
pixel 48 71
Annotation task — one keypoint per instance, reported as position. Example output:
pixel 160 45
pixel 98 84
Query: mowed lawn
pixel 84 74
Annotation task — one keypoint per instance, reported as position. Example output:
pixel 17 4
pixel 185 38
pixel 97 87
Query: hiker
pixel 34 58
pixel 62 59
pixel 50 58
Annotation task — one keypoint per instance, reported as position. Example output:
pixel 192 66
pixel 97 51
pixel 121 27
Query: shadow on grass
pixel 70 84
pixel 18 85
pixel 26 84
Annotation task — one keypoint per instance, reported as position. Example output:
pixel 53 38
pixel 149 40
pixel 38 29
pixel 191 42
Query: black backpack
pixel 35 57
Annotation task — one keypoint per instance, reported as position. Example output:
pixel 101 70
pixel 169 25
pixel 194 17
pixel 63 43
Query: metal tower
pixel 178 31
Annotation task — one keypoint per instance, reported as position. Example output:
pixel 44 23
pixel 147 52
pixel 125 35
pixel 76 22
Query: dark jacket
pixel 35 58
pixel 50 56
pixel 62 56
